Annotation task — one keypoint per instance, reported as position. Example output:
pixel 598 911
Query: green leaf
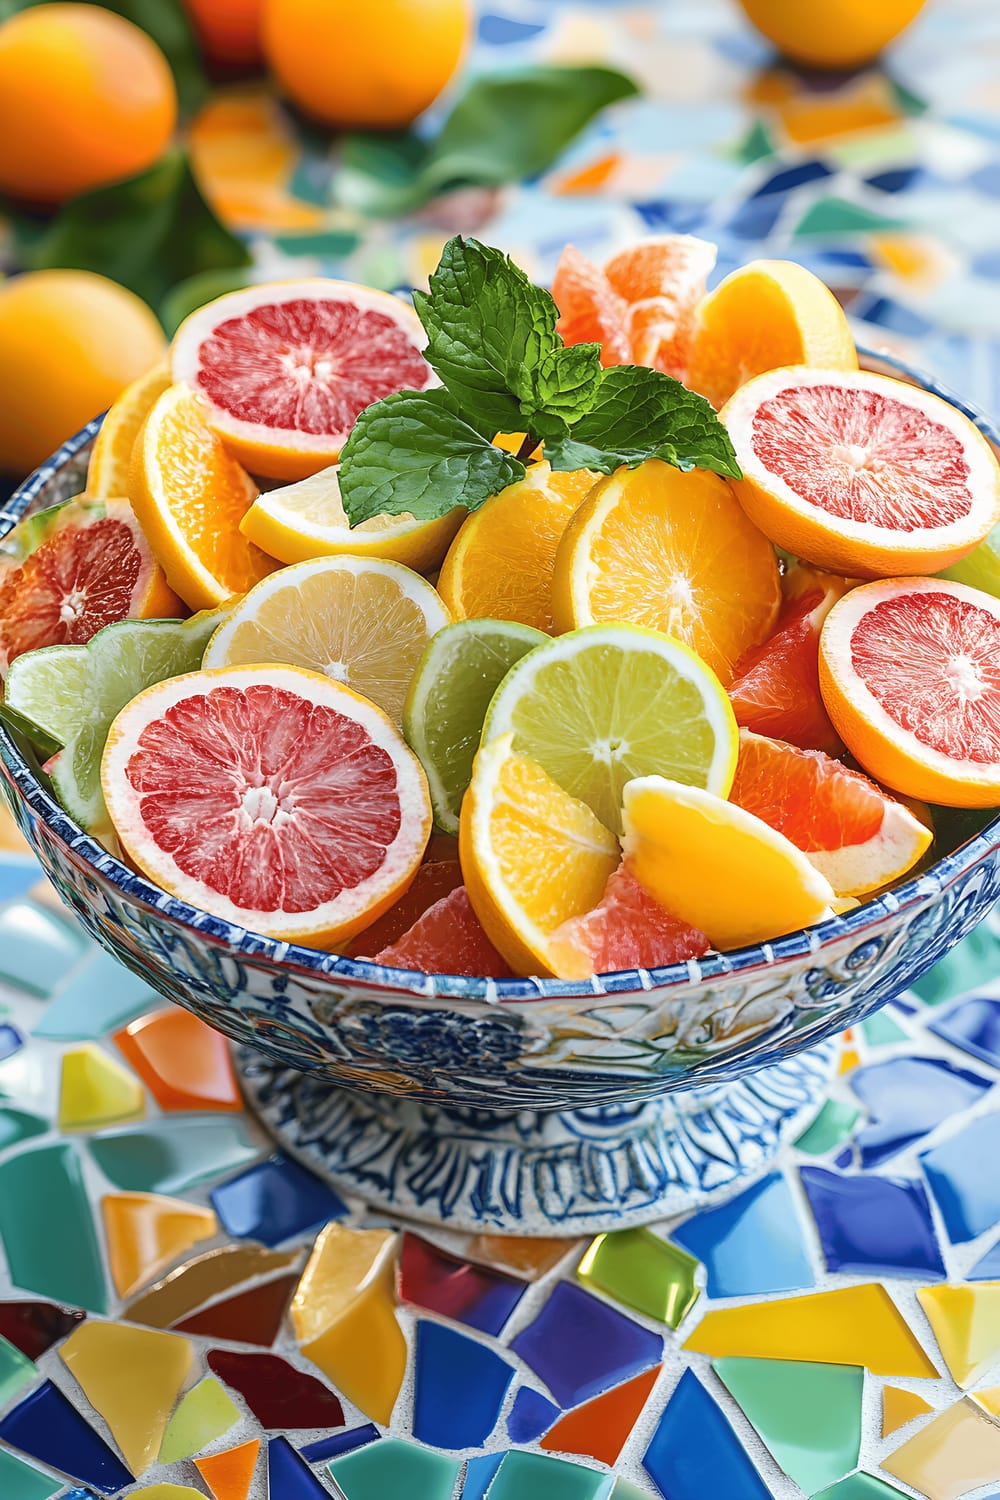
pixel 188 295
pixel 505 127
pixel 168 23
pixel 148 232
pixel 638 414
pixel 565 386
pixel 488 330
pixel 414 452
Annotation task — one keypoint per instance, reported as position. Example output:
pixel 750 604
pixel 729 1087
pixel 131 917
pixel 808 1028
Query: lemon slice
pixel 717 867
pixel 600 706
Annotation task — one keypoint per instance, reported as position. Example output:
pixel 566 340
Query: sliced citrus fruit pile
pixel 533 857
pixel 854 833
pixel 69 570
pixel 285 369
pixel 111 455
pixel 767 314
pixel 627 929
pixel 674 552
pixel 357 620
pixel 910 674
pixel 307 519
pixel 860 473
pixel 435 879
pixel 190 494
pixel 500 564
pixel 448 938
pixel 270 796
pixel 718 868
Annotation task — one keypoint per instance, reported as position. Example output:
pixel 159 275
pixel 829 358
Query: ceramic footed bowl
pixel 502 1045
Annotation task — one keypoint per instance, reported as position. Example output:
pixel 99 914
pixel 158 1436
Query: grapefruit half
pixel 909 669
pixel 270 797
pixel 286 368
pixel 860 473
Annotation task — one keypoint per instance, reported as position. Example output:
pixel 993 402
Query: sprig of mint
pixel 492 341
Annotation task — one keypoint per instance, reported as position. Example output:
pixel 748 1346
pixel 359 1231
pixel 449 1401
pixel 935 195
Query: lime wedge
pixel 72 693
pixel 980 568
pixel 460 670
pixel 602 705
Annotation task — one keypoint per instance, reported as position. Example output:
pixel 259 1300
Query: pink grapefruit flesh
pixel 629 930
pixel 448 938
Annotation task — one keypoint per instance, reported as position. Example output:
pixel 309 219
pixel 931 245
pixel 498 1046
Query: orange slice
pixel 111 455
pixel 718 868
pixel 854 833
pixel 910 674
pixel 860 473
pixel 270 797
pixel 190 495
pixel 767 314
pixel 532 857
pixel 674 552
pixel 500 564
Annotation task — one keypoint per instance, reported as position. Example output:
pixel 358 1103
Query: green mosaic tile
pixel 16 1371
pixel 392 1467
pixel 37 949
pixel 625 1490
pixel 641 1270
pixel 808 1416
pixel 532 1476
pixel 100 996
pixel 17 1125
pixel 47 1228
pixel 861 1487
pixel 171 1155
pixel 20 1481
pixel 832 1125
pixel 756 144
pixel 879 1030
pixel 972 962
pixel 838 216
pixel 205 1413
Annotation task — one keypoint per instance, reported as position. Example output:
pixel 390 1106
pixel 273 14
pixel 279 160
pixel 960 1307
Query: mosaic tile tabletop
pixel 183 1313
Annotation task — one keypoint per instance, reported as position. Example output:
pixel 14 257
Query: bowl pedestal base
pixel 530 1172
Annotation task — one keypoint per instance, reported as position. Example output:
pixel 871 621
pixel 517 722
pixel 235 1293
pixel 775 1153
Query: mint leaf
pixel 636 414
pixel 415 452
pixel 564 386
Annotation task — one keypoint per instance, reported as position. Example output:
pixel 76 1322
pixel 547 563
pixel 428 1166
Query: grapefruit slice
pixel 286 368
pixel 776 687
pixel 70 570
pixel 627 929
pixel 854 833
pixel 860 473
pixel 590 310
pixel 909 669
pixel 662 279
pixel 270 797
pixel 435 879
pixel 447 939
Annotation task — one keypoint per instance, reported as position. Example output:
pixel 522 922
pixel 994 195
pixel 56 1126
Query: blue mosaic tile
pixel 17 876
pixel 987 179
pixel 755 219
pixel 275 1201
pixel 897 180
pixel 100 996
pixel 37 949
pixel 479 1475
pixel 694 1453
pixel 47 1427
pixel 662 216
pixel 974 1026
pixel 963 1177
pixel 530 1416
pixel 793 177
pixel 987 1268
pixel 753 1243
pixel 288 1476
pixel 460 1388
pixel 887 313
pixel 871 1225
pixel 907 1097
pixel 844 1158
pixel 501 31
pixel 340 1442
pixel 579 1346
pixel 11 1041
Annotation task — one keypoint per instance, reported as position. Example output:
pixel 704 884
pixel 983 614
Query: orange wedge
pixel 674 552
pixel 190 495
pixel 768 313
pixel 499 566
pixel 111 455
pixel 532 858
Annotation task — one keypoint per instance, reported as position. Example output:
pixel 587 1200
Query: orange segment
pixel 500 565
pixel 111 455
pixel 768 313
pixel 533 857
pixel 662 279
pixel 590 310
pixel 190 496
pixel 673 552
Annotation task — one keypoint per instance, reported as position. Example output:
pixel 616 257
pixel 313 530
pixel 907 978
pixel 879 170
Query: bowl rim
pixel 805 943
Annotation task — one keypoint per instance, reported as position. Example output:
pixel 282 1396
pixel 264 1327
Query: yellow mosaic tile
pixel 956 1453
pixel 900 1407
pixel 988 1400
pixel 95 1090
pixel 857 1325
pixel 167 1492
pixel 342 1263
pixel 146 1233
pixel 133 1378
pixel 966 1324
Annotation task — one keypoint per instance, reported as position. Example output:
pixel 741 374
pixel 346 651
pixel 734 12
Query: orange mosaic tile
pixel 146 1233
pixel 183 1062
pixel 229 1474
pixel 900 1407
pixel 600 1428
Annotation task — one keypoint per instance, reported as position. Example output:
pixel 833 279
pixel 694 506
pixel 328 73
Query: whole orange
pixel 831 33
pixel 228 30
pixel 377 64
pixel 70 342
pixel 85 98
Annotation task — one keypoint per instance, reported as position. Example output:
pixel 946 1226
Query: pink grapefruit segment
pixel 447 939
pixel 286 368
pixel 854 833
pixel 272 797
pixel 628 929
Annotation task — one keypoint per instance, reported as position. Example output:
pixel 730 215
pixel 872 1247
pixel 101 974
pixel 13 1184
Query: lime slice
pixel 602 705
pixel 980 568
pixel 460 670
pixel 72 694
